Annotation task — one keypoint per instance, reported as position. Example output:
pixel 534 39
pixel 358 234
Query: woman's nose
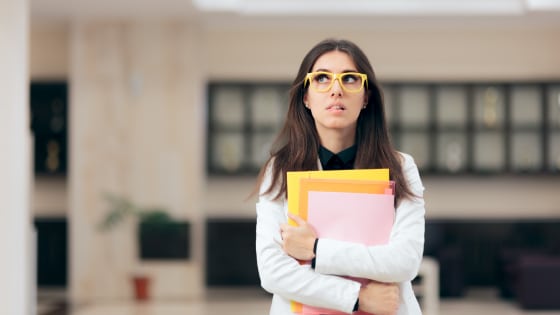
pixel 336 88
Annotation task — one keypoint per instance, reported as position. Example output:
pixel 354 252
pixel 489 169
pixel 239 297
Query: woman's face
pixel 335 110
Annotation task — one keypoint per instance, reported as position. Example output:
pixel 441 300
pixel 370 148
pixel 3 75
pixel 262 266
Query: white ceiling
pixel 298 12
pixel 75 9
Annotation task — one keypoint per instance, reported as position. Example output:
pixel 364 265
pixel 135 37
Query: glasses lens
pixel 351 81
pixel 321 81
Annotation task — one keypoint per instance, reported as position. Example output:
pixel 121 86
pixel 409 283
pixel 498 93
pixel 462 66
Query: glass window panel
pixel 452 152
pixel 489 107
pixel 554 106
pixel 228 109
pixel 488 151
pixel 267 106
pixel 554 151
pixel 526 105
pixel 416 144
pixel 415 107
pixel 451 106
pixel 227 151
pixel 526 151
pixel 261 148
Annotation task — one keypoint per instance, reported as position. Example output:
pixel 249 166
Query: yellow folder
pixel 294 188
pixel 293 178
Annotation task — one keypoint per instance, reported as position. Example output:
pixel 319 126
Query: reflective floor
pixel 256 302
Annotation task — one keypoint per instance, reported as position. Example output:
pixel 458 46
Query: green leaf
pixel 120 208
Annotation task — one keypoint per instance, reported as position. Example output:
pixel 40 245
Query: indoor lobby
pixel 118 112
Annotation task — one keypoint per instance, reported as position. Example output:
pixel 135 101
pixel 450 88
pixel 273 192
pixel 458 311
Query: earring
pixel 364 107
pixel 306 106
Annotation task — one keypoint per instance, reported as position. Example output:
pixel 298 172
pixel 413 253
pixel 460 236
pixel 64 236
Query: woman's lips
pixel 336 107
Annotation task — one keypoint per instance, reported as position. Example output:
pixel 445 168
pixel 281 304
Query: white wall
pixel 402 54
pixel 49 50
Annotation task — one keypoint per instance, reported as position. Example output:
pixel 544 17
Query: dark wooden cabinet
pixel 164 241
pixel 478 253
pixel 449 128
pixel 52 252
pixel 230 252
pixel 49 124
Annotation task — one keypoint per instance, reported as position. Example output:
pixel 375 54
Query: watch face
pixel 49 123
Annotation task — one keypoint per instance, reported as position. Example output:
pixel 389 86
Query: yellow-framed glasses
pixel 322 81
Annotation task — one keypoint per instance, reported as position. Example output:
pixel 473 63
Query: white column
pixel 15 167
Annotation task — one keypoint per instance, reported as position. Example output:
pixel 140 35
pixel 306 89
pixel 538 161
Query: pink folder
pixel 371 181
pixel 365 218
pixel 353 217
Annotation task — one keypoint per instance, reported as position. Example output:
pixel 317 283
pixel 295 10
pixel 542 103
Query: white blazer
pixel 397 261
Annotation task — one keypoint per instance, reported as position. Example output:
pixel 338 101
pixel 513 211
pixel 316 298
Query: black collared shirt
pixel 344 160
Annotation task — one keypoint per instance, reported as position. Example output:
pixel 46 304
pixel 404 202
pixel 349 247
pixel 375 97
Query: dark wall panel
pixel 52 252
pixel 230 253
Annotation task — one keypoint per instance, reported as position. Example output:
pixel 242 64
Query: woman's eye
pixel 322 78
pixel 350 78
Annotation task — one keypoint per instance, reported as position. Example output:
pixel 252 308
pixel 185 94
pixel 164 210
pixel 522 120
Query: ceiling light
pixel 366 7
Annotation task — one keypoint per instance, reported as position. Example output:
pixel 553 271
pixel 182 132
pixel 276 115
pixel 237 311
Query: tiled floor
pixel 256 302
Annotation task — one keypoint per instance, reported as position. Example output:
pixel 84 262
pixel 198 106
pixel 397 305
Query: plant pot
pixel 141 288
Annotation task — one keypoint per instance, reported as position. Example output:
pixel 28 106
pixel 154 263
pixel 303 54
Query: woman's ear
pixel 366 96
pixel 305 100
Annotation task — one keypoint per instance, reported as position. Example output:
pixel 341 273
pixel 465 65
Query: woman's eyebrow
pixel 343 71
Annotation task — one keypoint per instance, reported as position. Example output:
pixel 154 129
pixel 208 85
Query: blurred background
pixel 155 116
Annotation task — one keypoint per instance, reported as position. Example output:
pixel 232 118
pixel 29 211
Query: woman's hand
pixel 298 240
pixel 379 298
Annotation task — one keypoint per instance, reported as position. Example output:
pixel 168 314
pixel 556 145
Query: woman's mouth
pixel 336 107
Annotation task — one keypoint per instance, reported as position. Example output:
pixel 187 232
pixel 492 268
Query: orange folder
pixel 293 187
pixel 340 185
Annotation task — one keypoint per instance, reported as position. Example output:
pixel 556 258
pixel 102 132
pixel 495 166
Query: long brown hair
pixel 296 146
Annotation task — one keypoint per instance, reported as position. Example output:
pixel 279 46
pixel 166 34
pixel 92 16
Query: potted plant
pixel 160 237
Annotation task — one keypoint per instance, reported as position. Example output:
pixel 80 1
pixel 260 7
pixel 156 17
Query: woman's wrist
pixel 315 246
pixel 313 260
pixel 357 305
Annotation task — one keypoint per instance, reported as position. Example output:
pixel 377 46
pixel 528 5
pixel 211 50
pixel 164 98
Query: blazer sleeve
pixel 396 261
pixel 283 275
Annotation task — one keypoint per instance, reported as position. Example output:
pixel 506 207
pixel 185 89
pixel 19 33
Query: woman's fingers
pixel 296 218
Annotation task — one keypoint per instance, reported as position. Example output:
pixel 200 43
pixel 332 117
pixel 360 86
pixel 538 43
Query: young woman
pixel 336 120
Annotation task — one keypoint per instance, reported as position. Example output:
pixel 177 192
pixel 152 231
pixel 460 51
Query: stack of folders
pixel 348 205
